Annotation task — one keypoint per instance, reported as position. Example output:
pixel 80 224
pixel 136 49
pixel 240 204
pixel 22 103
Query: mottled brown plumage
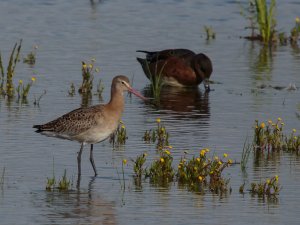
pixel 92 124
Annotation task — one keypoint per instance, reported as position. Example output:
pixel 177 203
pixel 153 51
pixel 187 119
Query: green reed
pixel 266 19
pixel 2 179
pixel 6 85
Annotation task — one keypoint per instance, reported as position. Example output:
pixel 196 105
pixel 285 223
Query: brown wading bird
pixel 93 124
pixel 178 67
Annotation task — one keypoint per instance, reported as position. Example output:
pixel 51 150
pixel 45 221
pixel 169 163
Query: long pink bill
pixel 136 93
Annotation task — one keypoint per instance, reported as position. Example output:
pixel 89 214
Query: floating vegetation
pixel 7 86
pixel 292 143
pixel 269 188
pixel 159 135
pixel 210 34
pixel 64 184
pixel 202 172
pixel 119 137
pixel 295 31
pixel 31 57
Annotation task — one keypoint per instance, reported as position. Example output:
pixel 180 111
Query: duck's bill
pixel 136 93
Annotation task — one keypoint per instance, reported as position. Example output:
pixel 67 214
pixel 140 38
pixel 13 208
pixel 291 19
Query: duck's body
pixel 92 124
pixel 178 67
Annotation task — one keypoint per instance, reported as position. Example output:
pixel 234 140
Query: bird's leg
pixel 79 165
pixel 92 160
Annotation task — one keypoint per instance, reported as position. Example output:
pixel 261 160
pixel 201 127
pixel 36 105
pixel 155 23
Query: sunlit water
pixel 111 31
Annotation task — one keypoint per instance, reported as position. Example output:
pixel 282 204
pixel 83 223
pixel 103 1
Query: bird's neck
pixel 116 102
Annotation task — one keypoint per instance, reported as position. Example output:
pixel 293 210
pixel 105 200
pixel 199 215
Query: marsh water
pixel 68 32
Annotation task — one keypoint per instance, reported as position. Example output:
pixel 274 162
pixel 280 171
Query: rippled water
pixel 68 32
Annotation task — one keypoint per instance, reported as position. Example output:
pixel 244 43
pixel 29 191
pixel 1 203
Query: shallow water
pixel 69 32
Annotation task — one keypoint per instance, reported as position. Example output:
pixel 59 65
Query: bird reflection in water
pixel 181 102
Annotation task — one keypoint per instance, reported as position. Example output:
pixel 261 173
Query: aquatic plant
pixel 266 19
pixel 119 137
pixel 161 171
pixel 269 188
pixel 292 142
pixel 23 90
pixel 64 184
pixel 37 100
pixel 247 148
pixel 6 85
pixel 72 90
pixel 159 135
pixel 100 88
pixel 201 172
pixel 261 17
pixel 31 56
pixel 88 71
pixel 268 136
pixel 210 34
pixel 295 31
pixel 138 165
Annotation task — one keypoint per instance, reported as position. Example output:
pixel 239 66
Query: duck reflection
pixel 181 102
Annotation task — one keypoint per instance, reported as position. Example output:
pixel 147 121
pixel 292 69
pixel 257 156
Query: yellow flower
pixel 179 166
pixel 200 178
pixel 295 137
pixel 230 161
pixel 198 159
pixel 268 181
pixel 33 79
pixel 220 163
pixel 279 119
pixel 225 155
pixel 20 82
pixel 276 178
pixel 97 70
pixel 158 120
pixel 162 160
pixel 83 65
pixel 282 124
pixel 145 154
pixel 270 121
pixel 123 127
pixel 216 158
pixel 167 152
pixel 262 125
pixel 169 146
pixel 195 168
pixel 297 19
pixel 202 152
pixel 124 161
pixel 91 66
pixel 294 130
pixel 206 150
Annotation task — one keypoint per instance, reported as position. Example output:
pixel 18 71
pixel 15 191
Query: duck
pixel 178 67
